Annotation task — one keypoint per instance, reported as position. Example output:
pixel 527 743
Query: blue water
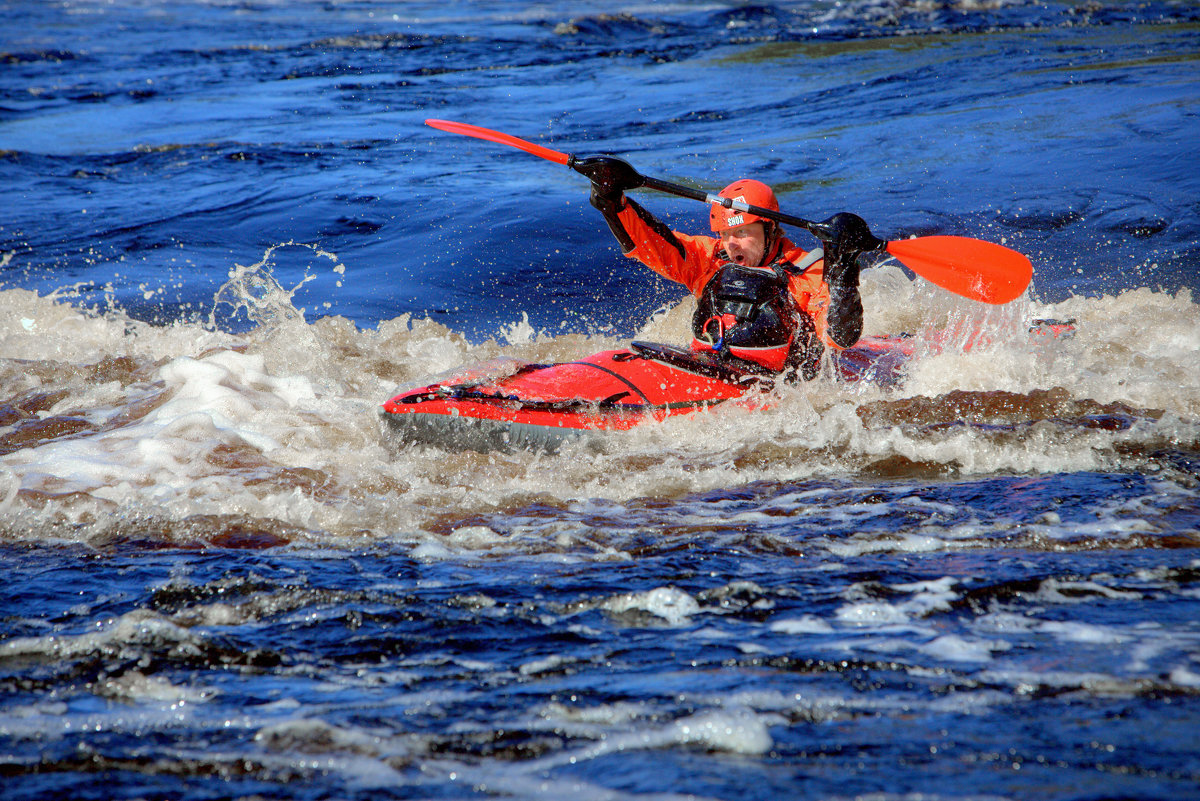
pixel 226 236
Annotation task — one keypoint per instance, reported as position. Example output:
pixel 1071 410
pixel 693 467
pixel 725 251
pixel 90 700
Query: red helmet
pixel 748 191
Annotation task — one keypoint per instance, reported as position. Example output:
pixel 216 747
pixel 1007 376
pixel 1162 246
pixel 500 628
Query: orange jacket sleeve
pixel 693 267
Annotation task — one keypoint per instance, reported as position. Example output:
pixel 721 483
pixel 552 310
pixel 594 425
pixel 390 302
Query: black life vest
pixel 748 313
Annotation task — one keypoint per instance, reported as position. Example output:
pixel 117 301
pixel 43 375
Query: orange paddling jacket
pixel 833 319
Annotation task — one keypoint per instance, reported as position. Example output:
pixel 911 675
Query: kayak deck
pixel 540 406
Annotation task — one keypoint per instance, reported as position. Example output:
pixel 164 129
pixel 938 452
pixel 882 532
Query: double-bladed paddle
pixel 975 269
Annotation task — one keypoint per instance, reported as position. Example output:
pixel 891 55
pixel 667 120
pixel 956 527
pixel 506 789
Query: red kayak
pixel 540 406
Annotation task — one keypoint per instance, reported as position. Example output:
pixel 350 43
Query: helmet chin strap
pixel 771 237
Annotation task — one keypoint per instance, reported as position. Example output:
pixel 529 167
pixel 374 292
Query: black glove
pixel 608 203
pixel 844 237
pixel 610 177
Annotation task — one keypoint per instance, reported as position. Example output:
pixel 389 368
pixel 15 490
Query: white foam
pixel 474 537
pixel 1060 591
pixel 1029 682
pixel 672 605
pixel 432 551
pixel 954 648
pixel 927 597
pixel 1184 676
pixel 544 665
pixel 736 731
pixel 1074 631
pixel 136 687
pixel 909 542
pixel 138 626
pixel 1005 623
pixel 281 423
pixel 806 624
pixel 217 614
pixel 872 614
pixel 307 734
pixel 603 715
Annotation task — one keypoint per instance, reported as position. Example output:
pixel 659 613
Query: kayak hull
pixel 540 407
pixel 465 431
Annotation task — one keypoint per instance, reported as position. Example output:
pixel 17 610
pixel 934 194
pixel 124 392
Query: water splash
pixel 255 289
pixel 520 333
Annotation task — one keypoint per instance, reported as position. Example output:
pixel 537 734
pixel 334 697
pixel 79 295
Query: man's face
pixel 745 244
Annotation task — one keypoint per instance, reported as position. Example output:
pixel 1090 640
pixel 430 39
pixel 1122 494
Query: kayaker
pixel 760 298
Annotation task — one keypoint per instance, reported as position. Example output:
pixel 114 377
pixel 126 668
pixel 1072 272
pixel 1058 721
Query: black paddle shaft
pixel 848 231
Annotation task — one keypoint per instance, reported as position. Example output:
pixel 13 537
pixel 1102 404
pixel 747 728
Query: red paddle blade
pixel 502 138
pixel 972 268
